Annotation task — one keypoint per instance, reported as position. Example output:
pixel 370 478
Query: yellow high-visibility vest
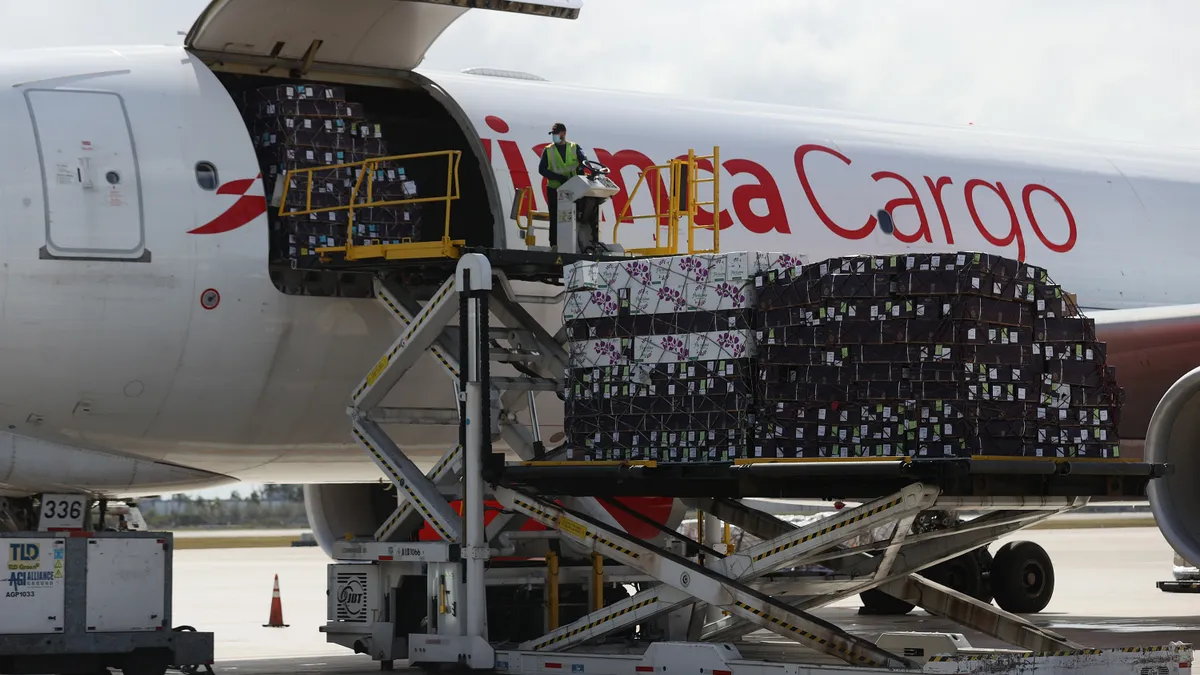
pixel 568 167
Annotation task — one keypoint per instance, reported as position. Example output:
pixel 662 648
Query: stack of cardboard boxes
pixel 312 125
pixel 753 355
pixel 661 356
pixel 929 355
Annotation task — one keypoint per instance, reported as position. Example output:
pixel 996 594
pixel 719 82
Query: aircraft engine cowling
pixel 1173 436
pixel 337 509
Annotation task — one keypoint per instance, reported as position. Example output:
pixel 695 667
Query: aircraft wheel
pixel 1022 577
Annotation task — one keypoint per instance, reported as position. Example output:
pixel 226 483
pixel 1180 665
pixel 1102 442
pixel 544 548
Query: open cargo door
pixel 385 34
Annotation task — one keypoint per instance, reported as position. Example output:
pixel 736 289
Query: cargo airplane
pixel 146 345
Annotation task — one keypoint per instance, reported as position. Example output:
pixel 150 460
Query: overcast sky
pixel 1095 68
pixel 1114 69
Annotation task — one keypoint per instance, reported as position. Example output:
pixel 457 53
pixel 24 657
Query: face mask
pixel 560 139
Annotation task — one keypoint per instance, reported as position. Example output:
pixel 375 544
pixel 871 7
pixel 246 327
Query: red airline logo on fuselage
pixel 244 210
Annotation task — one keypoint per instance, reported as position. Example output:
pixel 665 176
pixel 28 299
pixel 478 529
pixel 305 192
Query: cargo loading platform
pixel 693 601
pixel 833 479
pixel 545 583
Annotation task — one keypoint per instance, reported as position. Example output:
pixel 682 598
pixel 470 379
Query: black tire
pixel 146 662
pixel 985 566
pixel 964 574
pixel 876 602
pixel 1022 577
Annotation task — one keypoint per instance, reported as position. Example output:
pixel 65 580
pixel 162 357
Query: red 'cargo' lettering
pixel 935 188
pixel 1026 196
pixel 911 200
pixel 860 233
pixel 971 197
pixel 1014 229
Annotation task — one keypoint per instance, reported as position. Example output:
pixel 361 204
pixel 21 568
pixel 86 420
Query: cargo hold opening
pixel 409 120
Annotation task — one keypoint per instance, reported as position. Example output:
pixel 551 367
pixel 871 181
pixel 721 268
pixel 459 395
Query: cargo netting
pixel 716 358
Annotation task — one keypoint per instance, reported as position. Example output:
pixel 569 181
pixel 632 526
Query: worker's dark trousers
pixel 552 205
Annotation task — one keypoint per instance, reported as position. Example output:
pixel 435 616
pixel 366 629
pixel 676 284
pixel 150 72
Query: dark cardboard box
pixel 1064 330
pixel 632 325
pixel 296 92
pixel 847 365
pixel 308 107
pixel 847 286
pixel 992 311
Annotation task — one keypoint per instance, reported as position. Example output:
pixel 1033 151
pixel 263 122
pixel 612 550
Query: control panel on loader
pixel 579 202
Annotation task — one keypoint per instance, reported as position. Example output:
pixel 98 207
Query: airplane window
pixel 206 176
pixel 112 177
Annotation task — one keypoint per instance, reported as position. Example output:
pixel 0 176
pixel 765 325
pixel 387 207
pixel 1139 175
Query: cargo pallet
pixel 726 596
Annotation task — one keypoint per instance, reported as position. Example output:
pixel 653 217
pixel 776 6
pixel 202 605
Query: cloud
pixel 1102 69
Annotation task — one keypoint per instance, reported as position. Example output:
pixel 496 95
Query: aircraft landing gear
pixel 1019 578
pixel 1022 577
pixel 968 573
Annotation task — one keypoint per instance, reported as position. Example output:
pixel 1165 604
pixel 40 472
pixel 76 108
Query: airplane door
pixel 90 176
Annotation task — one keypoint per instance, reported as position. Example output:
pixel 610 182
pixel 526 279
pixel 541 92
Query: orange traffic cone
pixel 276 620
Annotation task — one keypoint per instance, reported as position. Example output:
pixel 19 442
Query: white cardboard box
pixel 710 346
pixel 589 353
pixel 732 267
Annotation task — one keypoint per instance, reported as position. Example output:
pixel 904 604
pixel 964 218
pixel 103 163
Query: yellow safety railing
pixel 528 230
pixel 407 249
pixel 715 202
pixel 683 183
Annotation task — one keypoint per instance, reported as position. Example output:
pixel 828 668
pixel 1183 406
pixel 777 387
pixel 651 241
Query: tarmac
pixel 1105 597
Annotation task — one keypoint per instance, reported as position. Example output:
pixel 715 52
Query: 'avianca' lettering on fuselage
pixel 244 210
pixel 775 219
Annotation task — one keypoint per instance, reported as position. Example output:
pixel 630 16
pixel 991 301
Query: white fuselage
pixel 106 347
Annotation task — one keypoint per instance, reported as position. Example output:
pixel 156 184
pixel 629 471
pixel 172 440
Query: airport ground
pixel 1105 597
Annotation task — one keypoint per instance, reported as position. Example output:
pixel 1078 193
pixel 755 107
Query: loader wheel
pixel 146 662
pixel 876 602
pixel 1022 577
pixel 985 574
pixel 964 574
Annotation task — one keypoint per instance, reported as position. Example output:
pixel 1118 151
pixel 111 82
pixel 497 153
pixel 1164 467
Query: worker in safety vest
pixel 560 161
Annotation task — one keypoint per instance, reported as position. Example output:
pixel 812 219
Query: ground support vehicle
pixel 458 601
pixel 1186 578
pixel 78 602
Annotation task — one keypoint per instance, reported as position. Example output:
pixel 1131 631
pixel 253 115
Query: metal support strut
pixel 473 281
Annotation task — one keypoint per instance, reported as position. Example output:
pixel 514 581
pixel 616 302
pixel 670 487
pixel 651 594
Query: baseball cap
pixel 558 126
